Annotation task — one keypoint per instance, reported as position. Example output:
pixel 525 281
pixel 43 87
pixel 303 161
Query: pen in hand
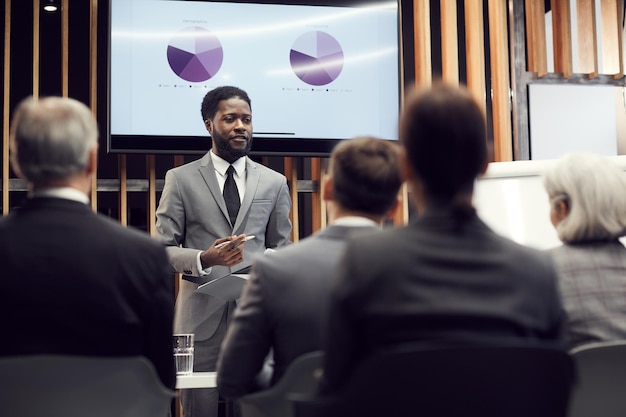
pixel 219 245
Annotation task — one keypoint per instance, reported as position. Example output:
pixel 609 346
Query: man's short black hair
pixel 212 99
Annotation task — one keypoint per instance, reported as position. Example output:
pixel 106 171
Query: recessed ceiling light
pixel 51 6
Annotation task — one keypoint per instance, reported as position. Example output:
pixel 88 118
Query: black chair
pixel 495 381
pixel 79 386
pixel 298 378
pixel 601 388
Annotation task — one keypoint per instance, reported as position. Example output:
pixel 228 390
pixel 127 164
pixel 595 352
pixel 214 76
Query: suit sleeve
pixel 170 228
pixel 247 342
pixel 278 232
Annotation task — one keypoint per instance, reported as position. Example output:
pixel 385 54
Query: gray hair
pixel 594 189
pixel 51 138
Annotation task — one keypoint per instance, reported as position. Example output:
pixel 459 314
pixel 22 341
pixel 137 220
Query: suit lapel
pixel 207 170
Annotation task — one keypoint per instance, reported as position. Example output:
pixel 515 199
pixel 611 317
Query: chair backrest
pixel 79 386
pixel 453 381
pixel 298 378
pixel 601 387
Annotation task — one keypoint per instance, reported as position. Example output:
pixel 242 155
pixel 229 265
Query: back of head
pixel 443 132
pixel 594 190
pixel 211 100
pixel 51 139
pixel 365 175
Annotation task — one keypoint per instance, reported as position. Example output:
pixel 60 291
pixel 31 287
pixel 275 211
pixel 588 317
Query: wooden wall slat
pixel 536 37
pixel 612 55
pixel 475 50
pixel 151 174
pixel 319 216
pixel 291 172
pixel 421 39
pixel 36 47
pixel 65 30
pixel 123 195
pixel 401 215
pixel 93 91
pixel 562 37
pixel 587 39
pixel 5 107
pixel 449 42
pixel 500 82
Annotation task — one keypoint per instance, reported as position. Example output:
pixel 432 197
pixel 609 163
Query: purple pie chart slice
pixel 316 58
pixel 195 54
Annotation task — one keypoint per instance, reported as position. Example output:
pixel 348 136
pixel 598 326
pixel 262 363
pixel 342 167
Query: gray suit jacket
pixel 192 214
pixel 283 307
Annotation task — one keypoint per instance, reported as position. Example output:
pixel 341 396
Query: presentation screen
pixel 315 74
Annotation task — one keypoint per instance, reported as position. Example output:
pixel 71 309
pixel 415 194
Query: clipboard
pixel 227 288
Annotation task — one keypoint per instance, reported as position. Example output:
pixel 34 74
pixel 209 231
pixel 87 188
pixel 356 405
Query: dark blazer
pixel 438 280
pixel 79 283
pixel 283 308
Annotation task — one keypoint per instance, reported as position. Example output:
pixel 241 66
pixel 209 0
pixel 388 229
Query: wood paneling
pixel 36 46
pixel 291 172
pixel 612 62
pixel 475 50
pixel 318 216
pixel 449 42
pixel 5 106
pixel 500 82
pixel 536 37
pixel 421 40
pixel 562 37
pixel 587 39
pixel 93 104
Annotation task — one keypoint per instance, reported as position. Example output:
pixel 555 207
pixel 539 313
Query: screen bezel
pixel 265 146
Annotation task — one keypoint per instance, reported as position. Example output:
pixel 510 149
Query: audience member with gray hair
pixel 588 209
pixel 77 283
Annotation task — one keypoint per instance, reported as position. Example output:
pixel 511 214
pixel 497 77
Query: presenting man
pixel 206 210
pixel 284 305
pixel 75 282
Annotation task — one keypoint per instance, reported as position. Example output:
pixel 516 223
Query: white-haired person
pixel 588 209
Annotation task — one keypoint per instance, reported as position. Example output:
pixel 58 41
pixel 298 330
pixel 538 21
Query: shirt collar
pixel 221 165
pixel 355 221
pixel 66 193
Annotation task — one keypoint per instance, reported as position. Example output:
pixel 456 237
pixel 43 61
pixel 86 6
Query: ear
pixel 392 210
pixel 561 210
pixel 208 124
pixel 327 188
pixel 92 162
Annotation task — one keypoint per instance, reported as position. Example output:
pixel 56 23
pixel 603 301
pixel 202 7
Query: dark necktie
pixel 231 195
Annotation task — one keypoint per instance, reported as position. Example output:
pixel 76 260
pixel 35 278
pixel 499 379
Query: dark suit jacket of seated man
pixel 446 277
pixel 76 282
pixel 283 307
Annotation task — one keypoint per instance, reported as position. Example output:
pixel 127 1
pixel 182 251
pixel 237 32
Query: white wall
pixel 511 199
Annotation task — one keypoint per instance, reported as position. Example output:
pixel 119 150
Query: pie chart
pixel 195 54
pixel 316 58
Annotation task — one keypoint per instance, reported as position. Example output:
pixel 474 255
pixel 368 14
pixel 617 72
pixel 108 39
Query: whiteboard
pixel 511 199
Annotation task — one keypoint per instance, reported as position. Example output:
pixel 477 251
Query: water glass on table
pixel 183 353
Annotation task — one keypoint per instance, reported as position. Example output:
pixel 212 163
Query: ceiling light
pixel 50 6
